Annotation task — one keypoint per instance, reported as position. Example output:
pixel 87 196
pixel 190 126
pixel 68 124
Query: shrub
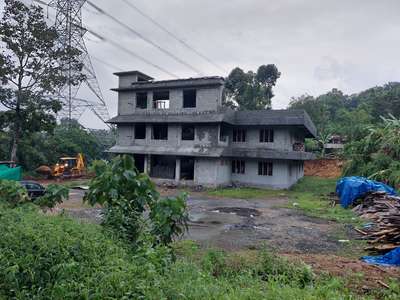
pixel 126 194
pixel 277 268
pixel 169 218
pixel 45 257
pixel 13 193
pixel 55 194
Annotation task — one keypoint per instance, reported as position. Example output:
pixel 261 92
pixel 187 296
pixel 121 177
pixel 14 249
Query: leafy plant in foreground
pixel 126 194
pixel 55 194
pixel 13 193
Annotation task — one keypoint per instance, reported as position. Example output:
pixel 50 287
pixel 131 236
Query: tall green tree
pixel 33 66
pixel 251 91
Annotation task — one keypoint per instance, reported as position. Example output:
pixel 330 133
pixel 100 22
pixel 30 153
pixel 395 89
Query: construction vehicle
pixel 67 167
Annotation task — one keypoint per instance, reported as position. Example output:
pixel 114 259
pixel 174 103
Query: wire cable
pixel 129 51
pixel 138 34
pixel 170 33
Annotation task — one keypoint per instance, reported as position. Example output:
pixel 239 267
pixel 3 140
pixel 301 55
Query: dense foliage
pixel 127 194
pixel 252 91
pixel 45 148
pixel 33 67
pixel 12 193
pixel 377 155
pixel 45 257
pixel 350 115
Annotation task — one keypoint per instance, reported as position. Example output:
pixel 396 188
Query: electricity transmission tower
pixel 68 24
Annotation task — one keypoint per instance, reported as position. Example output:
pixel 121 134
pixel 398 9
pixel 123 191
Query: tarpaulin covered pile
pixel 389 259
pixel 350 189
pixel 7 173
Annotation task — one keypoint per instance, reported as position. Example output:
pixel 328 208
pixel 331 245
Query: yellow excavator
pixel 66 167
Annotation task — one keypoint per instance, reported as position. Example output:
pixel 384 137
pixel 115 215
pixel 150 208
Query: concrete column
pixel 147 164
pixel 178 169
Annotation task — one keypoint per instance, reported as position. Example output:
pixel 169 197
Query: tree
pixel 252 91
pixel 33 66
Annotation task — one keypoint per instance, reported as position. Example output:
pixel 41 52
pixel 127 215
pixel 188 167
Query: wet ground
pixel 236 224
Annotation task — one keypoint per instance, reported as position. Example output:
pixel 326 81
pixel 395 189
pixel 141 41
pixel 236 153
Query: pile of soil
pixel 326 168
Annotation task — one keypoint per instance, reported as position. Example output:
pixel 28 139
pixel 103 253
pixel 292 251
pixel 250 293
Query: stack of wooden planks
pixel 384 212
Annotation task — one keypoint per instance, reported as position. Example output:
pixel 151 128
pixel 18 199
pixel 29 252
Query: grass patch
pixel 246 193
pixel 310 196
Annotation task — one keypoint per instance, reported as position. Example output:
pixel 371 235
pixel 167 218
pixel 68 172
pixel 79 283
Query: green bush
pixel 13 193
pixel 274 267
pixel 55 194
pixel 126 194
pixel 57 258
pixel 47 257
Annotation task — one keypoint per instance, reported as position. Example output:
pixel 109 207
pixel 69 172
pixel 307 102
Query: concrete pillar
pixel 178 169
pixel 147 164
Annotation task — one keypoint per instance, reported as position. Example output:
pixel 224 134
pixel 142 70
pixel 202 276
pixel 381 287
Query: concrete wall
pixel 205 136
pixel 208 99
pixel 280 179
pixel 283 139
pixel 212 172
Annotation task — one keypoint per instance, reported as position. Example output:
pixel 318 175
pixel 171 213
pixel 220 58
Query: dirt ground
pixel 237 224
pixel 326 168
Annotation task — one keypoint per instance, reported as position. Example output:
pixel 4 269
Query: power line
pixel 115 44
pixel 106 63
pixel 129 51
pixel 166 30
pixel 145 39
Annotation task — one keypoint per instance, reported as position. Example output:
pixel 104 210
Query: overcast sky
pixel 316 44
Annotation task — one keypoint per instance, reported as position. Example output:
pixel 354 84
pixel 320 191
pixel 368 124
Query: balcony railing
pixel 299 147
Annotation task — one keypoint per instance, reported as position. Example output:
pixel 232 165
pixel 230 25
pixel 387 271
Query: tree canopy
pixel 33 67
pixel 251 91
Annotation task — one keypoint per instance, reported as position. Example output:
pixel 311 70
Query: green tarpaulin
pixel 10 173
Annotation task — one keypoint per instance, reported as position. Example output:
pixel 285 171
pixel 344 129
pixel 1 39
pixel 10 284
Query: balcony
pixel 299 147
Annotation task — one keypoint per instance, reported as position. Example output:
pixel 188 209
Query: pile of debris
pixel 383 210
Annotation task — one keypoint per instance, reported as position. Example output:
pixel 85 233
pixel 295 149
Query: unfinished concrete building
pixel 179 131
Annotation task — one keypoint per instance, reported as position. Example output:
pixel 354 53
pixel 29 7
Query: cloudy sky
pixel 316 44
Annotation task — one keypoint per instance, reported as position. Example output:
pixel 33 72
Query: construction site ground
pixel 242 225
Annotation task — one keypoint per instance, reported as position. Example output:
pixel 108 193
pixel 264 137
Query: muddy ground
pixel 237 224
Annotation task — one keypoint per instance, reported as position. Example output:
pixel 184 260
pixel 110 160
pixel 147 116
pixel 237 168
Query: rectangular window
pixel 266 136
pixel 189 98
pixel 187 133
pixel 161 100
pixel 140 131
pixel 141 100
pixel 265 168
pixel 160 132
pixel 239 135
pixel 238 167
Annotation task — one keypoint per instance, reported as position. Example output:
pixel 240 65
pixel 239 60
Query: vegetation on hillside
pixel 377 155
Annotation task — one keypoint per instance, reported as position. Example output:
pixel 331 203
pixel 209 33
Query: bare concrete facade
pixel 180 131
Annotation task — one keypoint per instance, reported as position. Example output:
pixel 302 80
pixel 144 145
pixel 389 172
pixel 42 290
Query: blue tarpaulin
pixel 389 259
pixel 351 188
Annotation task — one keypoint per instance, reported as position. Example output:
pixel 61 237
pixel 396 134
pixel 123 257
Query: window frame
pixel 265 168
pixel 184 102
pixel 267 135
pixel 159 126
pixel 137 98
pixel 239 135
pixel 136 131
pixel 238 166
pixel 182 132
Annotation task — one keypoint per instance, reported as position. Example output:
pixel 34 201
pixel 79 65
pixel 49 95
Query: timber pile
pixel 384 212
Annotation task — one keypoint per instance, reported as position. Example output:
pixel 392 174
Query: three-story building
pixel 180 131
